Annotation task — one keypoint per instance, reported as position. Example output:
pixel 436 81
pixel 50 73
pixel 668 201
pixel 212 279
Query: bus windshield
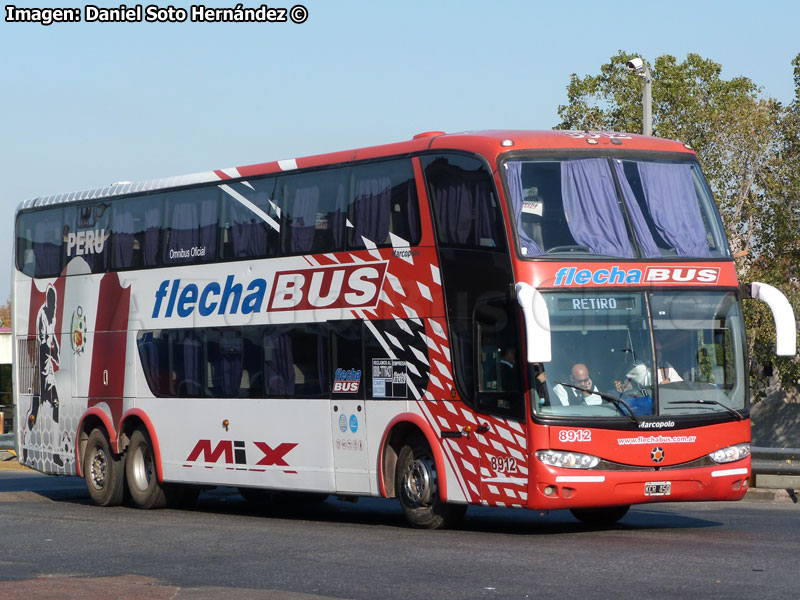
pixel 613 207
pixel 683 349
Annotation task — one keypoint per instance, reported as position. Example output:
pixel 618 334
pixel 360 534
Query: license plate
pixel 657 488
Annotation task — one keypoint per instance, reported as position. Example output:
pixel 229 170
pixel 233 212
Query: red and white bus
pixel 540 320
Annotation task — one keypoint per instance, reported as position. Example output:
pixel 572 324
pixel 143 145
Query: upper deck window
pixel 464 203
pixel 619 208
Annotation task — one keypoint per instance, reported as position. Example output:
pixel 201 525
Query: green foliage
pixel 749 147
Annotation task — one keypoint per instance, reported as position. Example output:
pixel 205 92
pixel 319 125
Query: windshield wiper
pixel 608 397
pixel 733 411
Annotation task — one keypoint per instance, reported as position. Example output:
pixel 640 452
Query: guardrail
pixel 775 461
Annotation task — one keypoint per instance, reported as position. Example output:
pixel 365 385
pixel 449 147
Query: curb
pixel 785 496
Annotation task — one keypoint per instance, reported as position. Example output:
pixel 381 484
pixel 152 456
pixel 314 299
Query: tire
pixel 103 471
pixel 417 488
pixel 140 470
pixel 600 517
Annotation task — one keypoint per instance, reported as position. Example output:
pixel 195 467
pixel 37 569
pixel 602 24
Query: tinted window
pixel 499 366
pixel 347 363
pixel 314 211
pixel 464 202
pixel 296 361
pixel 87 230
pixel 136 232
pixel 249 221
pixel 230 362
pixel 191 226
pixel 39 242
pixel 383 201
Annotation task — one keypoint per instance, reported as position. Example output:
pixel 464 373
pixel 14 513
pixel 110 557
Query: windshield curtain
pixel 662 353
pixel 584 206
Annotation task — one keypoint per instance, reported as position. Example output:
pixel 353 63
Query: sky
pixel 83 105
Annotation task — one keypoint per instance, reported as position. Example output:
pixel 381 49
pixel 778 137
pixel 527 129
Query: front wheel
pixel 600 517
pixel 140 469
pixel 103 471
pixel 417 486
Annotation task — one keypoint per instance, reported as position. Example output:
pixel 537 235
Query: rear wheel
pixel 140 469
pixel 600 516
pixel 417 486
pixel 103 470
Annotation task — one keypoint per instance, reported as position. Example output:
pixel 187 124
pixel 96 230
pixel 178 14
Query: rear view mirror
pixel 782 313
pixel 537 323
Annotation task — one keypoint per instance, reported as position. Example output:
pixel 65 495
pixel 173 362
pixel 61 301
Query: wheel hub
pixel 419 481
pixel 97 469
pixel 142 470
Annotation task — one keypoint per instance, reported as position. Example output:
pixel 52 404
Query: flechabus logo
pixel 355 285
pixel 345 381
pixel 615 275
pixel 213 298
pixel 339 286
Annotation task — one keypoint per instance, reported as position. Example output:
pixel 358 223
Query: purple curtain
pixel 372 210
pixel 192 366
pixel 338 218
pixel 644 237
pixel 47 247
pixel 485 231
pixel 231 367
pixel 123 238
pixel 183 230
pixel 672 202
pixel 279 365
pixel 248 235
pixel 304 219
pixel 514 170
pixel 453 203
pixel 322 363
pixel 152 224
pixel 590 203
pixel 412 208
pixel 209 220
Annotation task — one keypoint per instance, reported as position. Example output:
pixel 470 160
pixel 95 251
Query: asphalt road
pixel 58 545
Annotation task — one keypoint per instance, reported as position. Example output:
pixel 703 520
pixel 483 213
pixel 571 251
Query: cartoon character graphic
pixel 49 356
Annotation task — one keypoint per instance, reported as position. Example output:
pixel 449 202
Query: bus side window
pixel 249 220
pixel 313 211
pixel 190 227
pixel 347 361
pixel 136 232
pixel 465 205
pixel 383 200
pixel 40 242
pixel 499 365
pixel 87 228
pixel 224 362
pixel 295 361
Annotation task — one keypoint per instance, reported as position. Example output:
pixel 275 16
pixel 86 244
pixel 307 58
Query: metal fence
pixel 775 461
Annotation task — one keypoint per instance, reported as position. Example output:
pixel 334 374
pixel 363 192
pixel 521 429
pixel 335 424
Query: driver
pixel 579 377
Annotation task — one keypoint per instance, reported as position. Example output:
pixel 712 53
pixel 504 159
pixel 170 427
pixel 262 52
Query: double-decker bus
pixel 546 320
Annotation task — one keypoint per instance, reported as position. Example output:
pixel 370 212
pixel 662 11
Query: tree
pixel 5 314
pixel 749 148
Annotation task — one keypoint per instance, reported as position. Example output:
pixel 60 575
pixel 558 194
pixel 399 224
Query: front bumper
pixel 554 488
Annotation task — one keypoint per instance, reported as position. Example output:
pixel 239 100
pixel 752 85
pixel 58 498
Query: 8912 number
pixel 575 435
pixel 503 464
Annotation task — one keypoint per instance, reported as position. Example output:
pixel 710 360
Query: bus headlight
pixel 567 460
pixel 731 453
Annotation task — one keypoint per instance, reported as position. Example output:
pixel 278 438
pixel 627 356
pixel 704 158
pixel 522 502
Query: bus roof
pixel 488 143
